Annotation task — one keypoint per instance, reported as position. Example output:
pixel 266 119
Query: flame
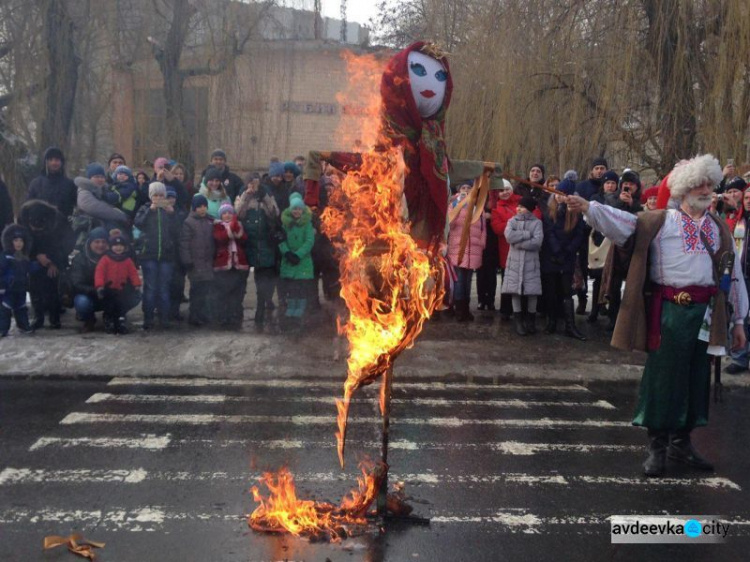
pixel 283 511
pixel 388 283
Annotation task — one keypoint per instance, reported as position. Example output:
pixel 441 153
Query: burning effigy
pixel 388 224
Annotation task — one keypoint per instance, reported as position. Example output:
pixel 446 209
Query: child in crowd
pixel 257 210
pixel 126 189
pixel 230 268
pixel 157 249
pixel 296 259
pixel 522 277
pixel 116 281
pixel 15 267
pixel 197 257
pixel 505 209
pixel 471 259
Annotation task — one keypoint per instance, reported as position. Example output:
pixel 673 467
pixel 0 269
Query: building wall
pixel 280 99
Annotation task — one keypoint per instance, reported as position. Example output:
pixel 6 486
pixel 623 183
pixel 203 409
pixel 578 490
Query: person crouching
pixel 116 280
pixel 230 268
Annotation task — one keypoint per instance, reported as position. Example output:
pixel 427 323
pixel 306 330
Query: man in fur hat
pixel 682 258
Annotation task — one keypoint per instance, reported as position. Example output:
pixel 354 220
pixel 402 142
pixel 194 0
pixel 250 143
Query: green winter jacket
pixel 259 217
pixel 300 236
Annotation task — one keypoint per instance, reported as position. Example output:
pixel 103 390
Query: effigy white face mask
pixel 428 78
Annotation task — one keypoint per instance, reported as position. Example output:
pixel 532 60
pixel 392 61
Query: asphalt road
pixel 159 469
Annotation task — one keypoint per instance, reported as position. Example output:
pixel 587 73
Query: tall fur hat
pixel 688 174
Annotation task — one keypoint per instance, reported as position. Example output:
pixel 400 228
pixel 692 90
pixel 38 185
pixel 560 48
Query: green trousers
pixel 676 384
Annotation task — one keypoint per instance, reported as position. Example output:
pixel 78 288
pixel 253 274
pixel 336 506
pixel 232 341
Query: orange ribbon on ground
pixel 75 543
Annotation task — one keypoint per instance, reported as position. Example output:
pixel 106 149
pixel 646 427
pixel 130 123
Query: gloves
pixel 292 258
pixel 100 293
pixel 278 236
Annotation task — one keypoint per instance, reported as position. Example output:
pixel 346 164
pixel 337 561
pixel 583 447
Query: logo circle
pixel 693 528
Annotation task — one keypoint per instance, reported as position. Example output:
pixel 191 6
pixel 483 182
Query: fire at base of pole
pixel 283 512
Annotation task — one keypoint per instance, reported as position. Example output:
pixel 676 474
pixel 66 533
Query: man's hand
pixel 52 271
pixel 739 341
pixel 43 260
pixel 577 203
pixel 626 197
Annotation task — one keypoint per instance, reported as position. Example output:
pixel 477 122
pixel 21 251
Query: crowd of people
pixel 78 243
pixel 547 253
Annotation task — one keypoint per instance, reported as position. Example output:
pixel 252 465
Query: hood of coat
pixel 39 216
pixel 53 152
pixel 288 220
pixel 13 231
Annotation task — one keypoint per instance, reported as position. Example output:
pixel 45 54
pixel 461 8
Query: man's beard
pixel 698 203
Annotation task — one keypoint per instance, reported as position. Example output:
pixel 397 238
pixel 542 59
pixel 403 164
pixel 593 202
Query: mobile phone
pixel 730 162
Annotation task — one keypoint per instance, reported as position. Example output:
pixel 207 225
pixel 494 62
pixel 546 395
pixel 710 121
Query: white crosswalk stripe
pixel 180 415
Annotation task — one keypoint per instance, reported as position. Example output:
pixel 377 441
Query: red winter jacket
pixel 501 214
pixel 113 274
pixel 230 250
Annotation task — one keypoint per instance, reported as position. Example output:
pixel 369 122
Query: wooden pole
pixel 382 501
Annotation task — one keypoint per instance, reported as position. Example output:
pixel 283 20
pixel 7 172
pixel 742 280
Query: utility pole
pixel 343 21
pixel 316 21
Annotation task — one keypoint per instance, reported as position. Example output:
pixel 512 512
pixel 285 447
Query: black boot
pixel 682 450
pixel 22 320
pixel 530 323
pixel 581 310
pixel 551 326
pixel 657 453
pixel 462 311
pixel 519 323
pixel 121 326
pixel 109 324
pixel 5 316
pixel 570 321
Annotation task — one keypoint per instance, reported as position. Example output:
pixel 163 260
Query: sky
pixel 356 10
pixel 359 11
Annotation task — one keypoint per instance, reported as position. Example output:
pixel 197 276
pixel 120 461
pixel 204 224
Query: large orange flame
pixel 388 283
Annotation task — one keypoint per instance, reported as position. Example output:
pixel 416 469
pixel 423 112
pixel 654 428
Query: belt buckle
pixel 683 298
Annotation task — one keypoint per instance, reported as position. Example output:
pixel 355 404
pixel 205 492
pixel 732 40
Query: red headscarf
pixel 422 140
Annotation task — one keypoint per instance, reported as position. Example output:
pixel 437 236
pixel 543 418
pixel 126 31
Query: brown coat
pixel 632 321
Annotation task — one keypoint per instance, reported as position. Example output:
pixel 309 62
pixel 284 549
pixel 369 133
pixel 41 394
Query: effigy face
pixel 428 78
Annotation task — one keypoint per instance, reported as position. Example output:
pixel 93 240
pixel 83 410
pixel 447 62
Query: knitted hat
pixel 571 175
pixel 507 185
pixel 123 170
pixel 171 193
pixel 541 167
pixel 568 187
pixel 735 183
pixel 250 176
pixel 276 169
pixel 98 233
pixel 115 155
pixel 119 239
pixel 610 175
pixel 157 188
pixel 53 152
pixel 226 208
pixel 95 169
pixel 198 201
pixel 528 203
pixel 689 174
pixel 650 192
pixel 212 174
pixel 218 153
pixel 292 167
pixel 296 201
pixel 599 161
